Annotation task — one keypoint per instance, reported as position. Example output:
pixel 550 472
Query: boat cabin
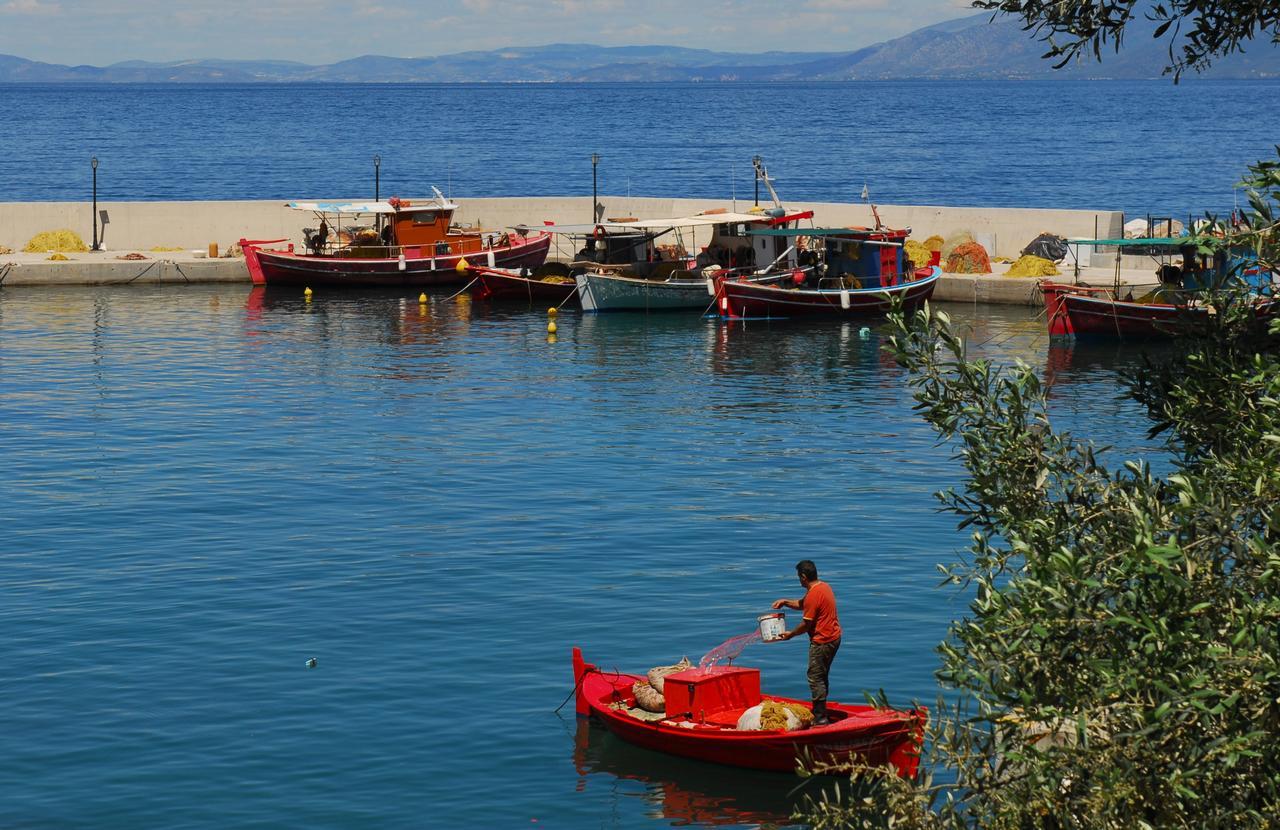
pixel 847 257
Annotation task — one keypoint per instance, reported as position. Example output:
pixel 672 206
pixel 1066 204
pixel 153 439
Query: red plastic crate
pixel 695 695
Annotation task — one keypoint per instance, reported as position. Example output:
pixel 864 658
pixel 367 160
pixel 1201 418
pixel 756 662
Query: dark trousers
pixel 820 657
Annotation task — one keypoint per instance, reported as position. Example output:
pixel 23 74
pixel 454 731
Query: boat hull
pixel 863 735
pixel 609 292
pixel 489 284
pixel 751 300
pixel 268 266
pixel 1074 310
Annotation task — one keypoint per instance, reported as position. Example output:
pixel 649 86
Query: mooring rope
pixel 4 272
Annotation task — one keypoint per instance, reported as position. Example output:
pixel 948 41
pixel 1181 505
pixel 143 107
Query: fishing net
pixel 934 243
pixel 658 674
pixel 955 241
pixel 58 257
pixel 4 250
pixel 774 715
pixel 1032 266
pixel 64 241
pixel 918 253
pixel 969 258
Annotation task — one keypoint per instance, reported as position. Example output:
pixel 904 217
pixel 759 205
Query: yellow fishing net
pixel 64 240
pixel 1032 266
pixel 934 243
pixel 58 257
pixel 918 253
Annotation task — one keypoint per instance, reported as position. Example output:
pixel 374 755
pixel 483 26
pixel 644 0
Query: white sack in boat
pixel 750 719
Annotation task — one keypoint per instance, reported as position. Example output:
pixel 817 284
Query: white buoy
pixel 400 265
pixel 711 286
pixel 844 298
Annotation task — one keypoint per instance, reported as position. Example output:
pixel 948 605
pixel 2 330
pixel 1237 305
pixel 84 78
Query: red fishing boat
pixel 702 713
pixel 1091 310
pixel 856 271
pixel 399 242
pixel 552 288
pixel 1179 304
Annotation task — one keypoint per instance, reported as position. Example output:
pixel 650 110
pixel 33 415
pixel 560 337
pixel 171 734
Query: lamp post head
pixel 377 161
pixel 93 162
pixel 595 159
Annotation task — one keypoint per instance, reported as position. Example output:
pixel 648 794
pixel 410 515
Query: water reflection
pixel 683 792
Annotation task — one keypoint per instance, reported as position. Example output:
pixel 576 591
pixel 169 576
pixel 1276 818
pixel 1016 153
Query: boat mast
pixel 763 175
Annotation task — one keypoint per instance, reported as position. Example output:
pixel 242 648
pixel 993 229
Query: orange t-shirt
pixel 819 606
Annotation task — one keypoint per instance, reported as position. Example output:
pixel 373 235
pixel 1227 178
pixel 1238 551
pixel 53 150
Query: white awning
pixel 343 207
pixel 695 221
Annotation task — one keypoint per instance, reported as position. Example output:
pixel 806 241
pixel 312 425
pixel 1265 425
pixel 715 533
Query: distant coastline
pixel 970 48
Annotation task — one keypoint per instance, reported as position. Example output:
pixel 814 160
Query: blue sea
pixel 206 488
pixel 1144 147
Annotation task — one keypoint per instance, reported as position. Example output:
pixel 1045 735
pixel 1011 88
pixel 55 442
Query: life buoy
pixel 598 233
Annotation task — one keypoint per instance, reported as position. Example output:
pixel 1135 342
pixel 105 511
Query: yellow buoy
pixel 422 298
pixel 306 292
pixel 551 327
pixel 553 311
pixel 462 265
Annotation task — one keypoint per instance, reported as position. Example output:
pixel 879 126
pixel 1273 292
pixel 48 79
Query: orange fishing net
pixel 969 258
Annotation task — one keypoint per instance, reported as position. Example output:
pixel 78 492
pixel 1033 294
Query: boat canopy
pixel 644 225
pixel 1147 242
pixel 819 231
pixel 343 207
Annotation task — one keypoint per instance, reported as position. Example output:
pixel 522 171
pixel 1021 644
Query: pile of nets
pixel 4 250
pixel 968 258
pixel 954 241
pixel 58 257
pixel 1032 266
pixel 649 692
pixel 64 241
pixel 918 253
pixel 774 715
pixel 934 243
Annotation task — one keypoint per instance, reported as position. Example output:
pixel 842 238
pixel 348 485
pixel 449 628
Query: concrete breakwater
pixel 190 227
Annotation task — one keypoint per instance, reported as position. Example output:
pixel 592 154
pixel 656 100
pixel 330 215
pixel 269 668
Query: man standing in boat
pixel 822 625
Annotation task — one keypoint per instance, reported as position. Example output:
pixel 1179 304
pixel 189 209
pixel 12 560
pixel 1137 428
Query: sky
pixel 101 32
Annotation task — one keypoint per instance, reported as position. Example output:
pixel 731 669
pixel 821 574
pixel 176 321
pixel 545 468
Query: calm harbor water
pixel 1141 146
pixel 205 487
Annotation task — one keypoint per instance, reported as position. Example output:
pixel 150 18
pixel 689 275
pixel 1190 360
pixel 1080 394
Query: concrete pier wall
pixel 141 226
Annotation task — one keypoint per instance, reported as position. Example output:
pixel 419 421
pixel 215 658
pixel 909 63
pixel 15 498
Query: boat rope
pixel 4 272
pixel 464 290
pixel 576 687
pixel 183 273
pixel 568 298
pixel 138 275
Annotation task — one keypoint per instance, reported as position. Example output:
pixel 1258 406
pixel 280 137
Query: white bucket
pixel 772 626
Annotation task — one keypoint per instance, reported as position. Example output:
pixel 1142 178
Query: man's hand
pixel 786 635
pixel 779 603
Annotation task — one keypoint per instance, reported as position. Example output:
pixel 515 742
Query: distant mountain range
pixel 968 48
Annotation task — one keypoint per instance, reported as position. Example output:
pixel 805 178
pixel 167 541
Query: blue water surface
pixel 1144 147
pixel 206 487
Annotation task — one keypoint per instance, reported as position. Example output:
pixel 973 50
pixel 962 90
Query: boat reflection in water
pixel 684 792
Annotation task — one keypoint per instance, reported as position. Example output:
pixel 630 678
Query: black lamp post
pixel 93 162
pixel 755 163
pixel 377 164
pixel 595 199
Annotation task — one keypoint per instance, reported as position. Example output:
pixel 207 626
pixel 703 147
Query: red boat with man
pixel 704 711
pixel 392 243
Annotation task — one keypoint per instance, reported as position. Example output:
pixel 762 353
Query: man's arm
pixel 804 627
pixel 793 604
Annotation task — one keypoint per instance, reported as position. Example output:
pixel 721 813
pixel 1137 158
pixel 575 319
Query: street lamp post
pixel 377 188
pixel 595 199
pixel 93 162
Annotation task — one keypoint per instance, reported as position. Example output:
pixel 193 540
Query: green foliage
pixel 1120 664
pixel 1198 31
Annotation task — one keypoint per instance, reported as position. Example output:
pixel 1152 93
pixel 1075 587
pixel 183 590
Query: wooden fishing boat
pixel 399 242
pixel 1179 305
pixel 702 711
pixel 553 288
pixel 858 271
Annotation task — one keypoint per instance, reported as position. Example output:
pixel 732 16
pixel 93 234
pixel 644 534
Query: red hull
pixel 746 299
pixel 270 266
pixel 492 284
pixel 862 734
pixel 1083 310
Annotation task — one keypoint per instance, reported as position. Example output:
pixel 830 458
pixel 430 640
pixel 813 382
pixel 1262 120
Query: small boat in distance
pixel 398 242
pixel 702 713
